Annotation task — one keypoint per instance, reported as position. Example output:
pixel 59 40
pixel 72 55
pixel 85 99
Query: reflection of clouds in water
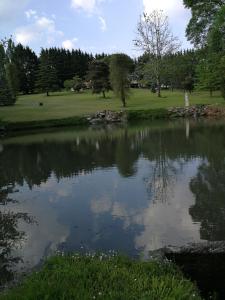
pixel 101 205
pixel 164 223
pixel 168 224
pixel 43 237
pixel 57 191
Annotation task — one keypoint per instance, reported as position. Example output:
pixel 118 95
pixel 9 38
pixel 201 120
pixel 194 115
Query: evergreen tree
pixel 47 80
pixel 8 79
pixel 99 76
pixel 26 62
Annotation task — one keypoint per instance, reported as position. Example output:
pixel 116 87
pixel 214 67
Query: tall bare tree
pixel 155 38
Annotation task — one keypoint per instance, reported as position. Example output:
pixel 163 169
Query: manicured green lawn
pixel 67 104
pixel 109 278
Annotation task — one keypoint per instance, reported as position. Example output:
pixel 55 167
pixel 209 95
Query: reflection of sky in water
pixel 103 211
pixel 129 189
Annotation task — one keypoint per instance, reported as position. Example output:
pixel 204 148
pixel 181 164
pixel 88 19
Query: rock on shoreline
pixel 196 111
pixel 107 116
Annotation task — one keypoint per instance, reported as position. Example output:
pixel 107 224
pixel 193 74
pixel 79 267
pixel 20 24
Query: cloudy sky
pixel 92 25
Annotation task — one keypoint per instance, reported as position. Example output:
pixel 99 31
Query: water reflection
pixel 131 189
pixel 10 235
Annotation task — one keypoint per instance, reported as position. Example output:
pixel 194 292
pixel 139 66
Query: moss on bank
pixel 104 277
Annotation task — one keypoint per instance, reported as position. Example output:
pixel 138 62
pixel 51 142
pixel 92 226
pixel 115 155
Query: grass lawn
pixel 66 104
pixel 101 277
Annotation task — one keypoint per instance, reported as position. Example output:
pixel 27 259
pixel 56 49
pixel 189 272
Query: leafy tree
pixel 216 41
pixel 77 84
pixel 68 84
pixel 47 75
pixel 99 76
pixel 208 74
pixel 188 84
pixel 203 13
pixel 155 38
pixel 120 67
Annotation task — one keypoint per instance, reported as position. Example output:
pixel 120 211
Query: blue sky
pixel 91 25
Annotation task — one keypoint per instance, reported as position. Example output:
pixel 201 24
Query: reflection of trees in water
pixel 10 236
pixel 209 190
pixel 161 179
pixel 165 148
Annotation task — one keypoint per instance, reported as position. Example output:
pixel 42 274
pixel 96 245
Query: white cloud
pixel 89 6
pixel 40 29
pixel 69 44
pixel 86 5
pixel 30 13
pixel 103 24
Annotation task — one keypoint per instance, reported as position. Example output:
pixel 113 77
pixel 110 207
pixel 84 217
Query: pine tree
pixel 47 79
pixel 8 90
pixel 26 62
pixel 99 76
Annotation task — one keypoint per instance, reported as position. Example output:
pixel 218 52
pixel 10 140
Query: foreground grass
pixel 65 105
pixel 87 277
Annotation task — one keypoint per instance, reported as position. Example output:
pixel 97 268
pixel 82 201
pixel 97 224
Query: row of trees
pixel 161 65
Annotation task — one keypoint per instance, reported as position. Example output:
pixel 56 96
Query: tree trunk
pixel 159 87
pixel 123 98
pixel 103 94
pixel 211 93
pixel 47 93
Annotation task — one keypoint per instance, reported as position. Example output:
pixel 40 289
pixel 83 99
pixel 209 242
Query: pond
pixel 131 189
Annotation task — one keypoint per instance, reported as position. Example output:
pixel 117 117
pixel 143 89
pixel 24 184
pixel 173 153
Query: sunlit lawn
pixel 67 104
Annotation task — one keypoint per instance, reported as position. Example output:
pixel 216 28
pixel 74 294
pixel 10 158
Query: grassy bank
pixel 66 108
pixel 99 277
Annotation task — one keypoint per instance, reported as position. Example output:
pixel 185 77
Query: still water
pixel 130 189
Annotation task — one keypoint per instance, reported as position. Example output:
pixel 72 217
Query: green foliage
pixel 47 80
pixel 216 39
pixel 77 84
pixel 222 74
pixel 175 68
pixel 208 73
pixel 106 277
pixel 99 76
pixel 8 76
pixel 120 67
pixel 12 79
pixel 203 13
pixel 26 63
pixel 68 84
pixel 69 63
pixel 188 84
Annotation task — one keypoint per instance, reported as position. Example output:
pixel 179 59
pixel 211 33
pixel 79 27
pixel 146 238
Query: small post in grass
pixel 186 97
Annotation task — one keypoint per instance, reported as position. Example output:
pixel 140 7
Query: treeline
pixel 56 69
pixel 178 70
pixel 162 65
pixel 23 72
